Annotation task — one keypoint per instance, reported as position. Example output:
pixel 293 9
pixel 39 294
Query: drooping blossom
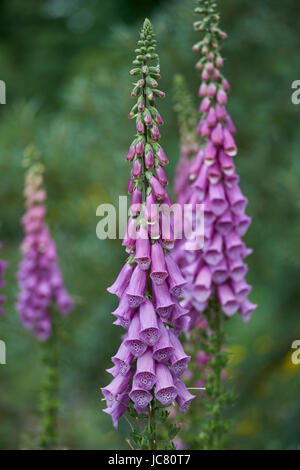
pixel 150 361
pixel 40 279
pixel 3 266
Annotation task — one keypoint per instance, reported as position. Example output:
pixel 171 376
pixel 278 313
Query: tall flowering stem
pixel 217 287
pixel 42 291
pixel 150 361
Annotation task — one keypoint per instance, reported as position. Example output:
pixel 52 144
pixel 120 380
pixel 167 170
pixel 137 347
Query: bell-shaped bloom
pixel 236 199
pixel 149 331
pixel 123 359
pixel 158 266
pixel 117 410
pixel 184 397
pixel 237 269
pixel 133 340
pixel 157 188
pixel 142 251
pixel 121 283
pixel 145 377
pixel 165 391
pixel 136 202
pixel 178 360
pixel 137 285
pixel 114 391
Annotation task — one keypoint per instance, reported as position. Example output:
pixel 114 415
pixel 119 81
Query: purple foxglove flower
pixel 217 135
pixel 221 96
pixel 205 105
pixel 151 209
pixel 161 175
pixel 184 397
pixel 140 127
pixel 163 302
pixel 149 159
pixel 214 174
pixel 220 112
pixel 218 202
pixel 201 181
pixel 147 119
pixel 122 360
pixel 121 283
pixel 214 253
pixel 203 90
pixel 114 391
pixel 210 153
pixel 211 118
pixel 165 391
pixel 137 285
pixel 176 280
pixel 146 342
pixel 178 360
pixel 163 349
pixel 241 224
pixel 237 269
pixel 117 410
pixel 136 169
pixel 149 332
pixel 203 129
pixel 226 163
pixel 229 143
pixel 158 190
pixel 139 396
pixel 237 200
pixel 133 342
pixel 155 134
pixel 231 180
pixel 241 290
pixel 211 90
pixel 224 223
pixel 142 252
pixel 130 154
pixel 40 280
pixel 227 299
pixel 233 245
pixel 158 266
pixel 203 284
pixel 209 216
pixel 130 186
pixel 145 377
pixel 230 125
pixel 246 309
pixel 136 202
pixel 161 156
pixel 124 313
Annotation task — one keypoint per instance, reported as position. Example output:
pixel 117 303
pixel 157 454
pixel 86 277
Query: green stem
pixel 48 439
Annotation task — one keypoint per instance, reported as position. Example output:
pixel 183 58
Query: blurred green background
pixel 65 64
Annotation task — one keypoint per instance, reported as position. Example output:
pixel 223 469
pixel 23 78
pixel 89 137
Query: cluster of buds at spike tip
pixel 3 266
pixel 40 280
pixel 221 266
pixel 150 361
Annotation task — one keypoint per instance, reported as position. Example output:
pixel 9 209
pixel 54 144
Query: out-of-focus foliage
pixel 65 64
